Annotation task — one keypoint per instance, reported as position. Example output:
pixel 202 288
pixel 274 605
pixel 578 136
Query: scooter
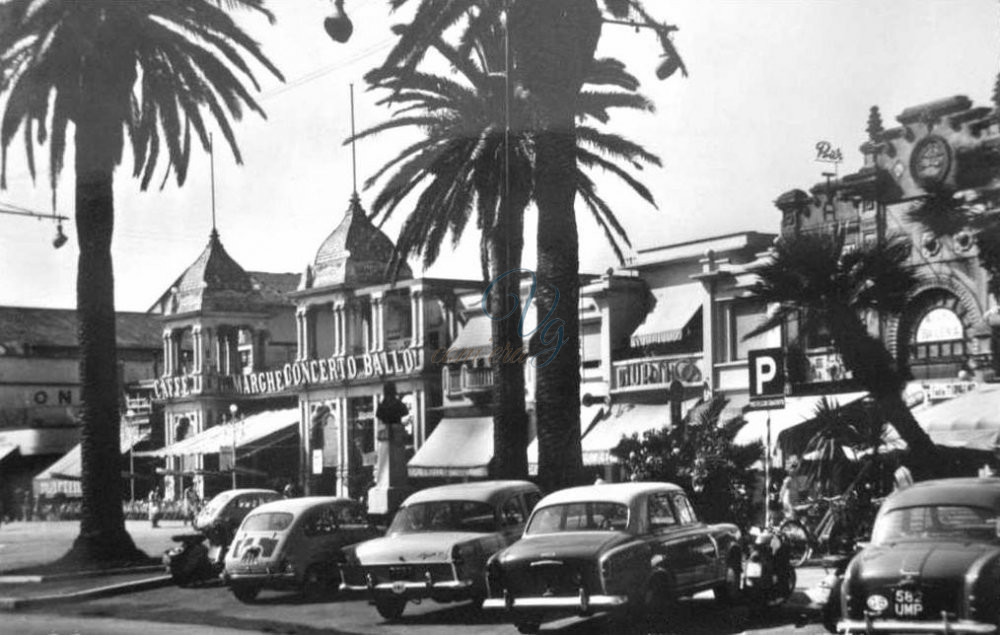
pixel 192 561
pixel 768 575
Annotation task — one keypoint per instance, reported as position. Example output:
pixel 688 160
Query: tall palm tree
pixel 810 279
pixel 553 49
pixel 463 167
pixel 147 68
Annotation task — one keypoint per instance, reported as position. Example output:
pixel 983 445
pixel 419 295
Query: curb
pixel 73 575
pixel 16 603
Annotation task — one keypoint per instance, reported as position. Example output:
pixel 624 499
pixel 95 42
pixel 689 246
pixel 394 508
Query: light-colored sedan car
pixel 294 544
pixel 438 544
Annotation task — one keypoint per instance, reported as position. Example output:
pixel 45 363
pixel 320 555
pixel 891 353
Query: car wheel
pixel 245 593
pixel 390 608
pixel 728 592
pixel 528 628
pixel 317 584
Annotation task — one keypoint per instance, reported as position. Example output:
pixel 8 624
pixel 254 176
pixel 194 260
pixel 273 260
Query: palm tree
pixel 553 47
pixel 463 166
pixel 149 69
pixel 812 280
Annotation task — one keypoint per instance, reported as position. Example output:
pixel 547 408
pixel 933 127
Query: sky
pixel 768 80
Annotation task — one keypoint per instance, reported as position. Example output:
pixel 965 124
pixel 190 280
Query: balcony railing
pixel 477 379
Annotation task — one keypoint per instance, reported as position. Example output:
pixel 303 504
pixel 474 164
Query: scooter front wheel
pixel 797 540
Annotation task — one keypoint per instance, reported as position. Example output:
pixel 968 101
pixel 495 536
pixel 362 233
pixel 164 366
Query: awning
pixel 63 476
pixel 474 337
pixel 797 410
pixel 675 306
pixel 624 420
pixel 248 434
pixel 41 441
pixel 7 450
pixel 970 421
pixel 456 448
pixel 589 416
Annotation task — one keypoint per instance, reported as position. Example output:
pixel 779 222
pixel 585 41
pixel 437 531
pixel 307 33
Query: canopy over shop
pixel 269 430
pixel 63 476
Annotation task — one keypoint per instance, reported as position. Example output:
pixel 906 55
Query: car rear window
pixel 268 521
pixel 582 516
pixel 445 516
pixel 935 522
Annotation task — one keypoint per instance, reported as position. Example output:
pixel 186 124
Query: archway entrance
pixel 936 342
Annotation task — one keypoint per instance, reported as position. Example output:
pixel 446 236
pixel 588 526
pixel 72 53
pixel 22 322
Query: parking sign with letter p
pixel 767 373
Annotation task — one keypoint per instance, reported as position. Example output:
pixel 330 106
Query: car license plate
pixel 908 603
pixel 754 570
pixel 399 587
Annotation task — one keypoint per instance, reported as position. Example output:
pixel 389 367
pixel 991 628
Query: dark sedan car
pixel 933 565
pixel 612 548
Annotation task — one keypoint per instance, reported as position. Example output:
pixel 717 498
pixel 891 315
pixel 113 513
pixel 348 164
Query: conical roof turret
pixel 215 282
pixel 356 253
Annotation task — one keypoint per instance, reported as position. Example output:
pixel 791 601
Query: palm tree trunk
pixel 103 538
pixel 554 43
pixel 510 418
pixel 873 368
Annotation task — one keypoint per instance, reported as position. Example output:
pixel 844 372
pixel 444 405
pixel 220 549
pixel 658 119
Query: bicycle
pixel 842 521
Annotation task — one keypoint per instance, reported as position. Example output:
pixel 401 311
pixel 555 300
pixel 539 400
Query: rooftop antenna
pixel 354 153
pixel 211 162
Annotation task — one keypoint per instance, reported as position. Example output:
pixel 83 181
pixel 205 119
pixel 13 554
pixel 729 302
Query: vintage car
pixel 220 517
pixel 626 548
pixel 933 564
pixel 294 544
pixel 438 544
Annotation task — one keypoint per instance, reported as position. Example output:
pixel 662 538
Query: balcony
pixel 467 382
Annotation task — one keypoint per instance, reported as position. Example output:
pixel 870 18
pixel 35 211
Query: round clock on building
pixel 930 161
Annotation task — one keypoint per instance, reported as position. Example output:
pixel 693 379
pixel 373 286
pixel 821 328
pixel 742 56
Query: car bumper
pixel 944 625
pixel 582 604
pixel 410 589
pixel 282 580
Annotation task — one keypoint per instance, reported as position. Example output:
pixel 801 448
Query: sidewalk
pixel 25 546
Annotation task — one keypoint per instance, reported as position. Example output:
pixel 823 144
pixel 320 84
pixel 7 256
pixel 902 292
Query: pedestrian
pixel 41 507
pixel 902 478
pixel 27 505
pixel 191 503
pixel 291 490
pixel 155 500
pixel 789 496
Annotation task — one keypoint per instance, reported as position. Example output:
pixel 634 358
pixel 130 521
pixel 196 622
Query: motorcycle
pixel 768 575
pixel 189 562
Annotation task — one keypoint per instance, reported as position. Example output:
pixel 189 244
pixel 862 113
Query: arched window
pixel 937 344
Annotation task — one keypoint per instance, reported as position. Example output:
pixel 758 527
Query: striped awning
pixel 674 310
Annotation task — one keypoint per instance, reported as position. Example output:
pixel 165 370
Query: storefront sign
pixel 826 153
pixel 330 370
pixel 327 370
pixel 656 372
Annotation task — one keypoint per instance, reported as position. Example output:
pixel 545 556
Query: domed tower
pixel 356 253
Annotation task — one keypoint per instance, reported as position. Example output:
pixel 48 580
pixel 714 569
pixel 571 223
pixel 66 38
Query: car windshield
pixel 935 521
pixel 267 521
pixel 444 516
pixel 583 516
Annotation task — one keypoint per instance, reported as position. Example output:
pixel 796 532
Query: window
pixel 351 515
pixel 444 516
pixel 584 516
pixel 744 317
pixel 268 521
pixel 322 522
pixel 511 512
pixel 684 512
pixel 661 515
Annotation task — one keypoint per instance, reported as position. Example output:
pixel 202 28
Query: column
pixel 233 342
pixel 208 365
pixel 168 367
pixel 377 326
pixel 418 419
pixel 220 350
pixel 197 353
pixel 417 310
pixel 338 339
pixel 299 347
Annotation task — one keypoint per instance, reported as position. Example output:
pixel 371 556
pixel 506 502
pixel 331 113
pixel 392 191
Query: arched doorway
pixel 936 334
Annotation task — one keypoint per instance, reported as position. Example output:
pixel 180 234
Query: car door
pixel 319 540
pixel 668 540
pixel 701 550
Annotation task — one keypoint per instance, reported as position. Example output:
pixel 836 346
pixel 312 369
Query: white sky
pixel 768 80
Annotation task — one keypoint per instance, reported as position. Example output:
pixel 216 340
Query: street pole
pixel 767 474
pixel 233 410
